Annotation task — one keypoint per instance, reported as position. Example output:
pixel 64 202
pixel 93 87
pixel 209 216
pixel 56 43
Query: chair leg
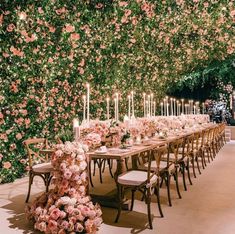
pixel 208 155
pixel 198 167
pixel 126 163
pixel 31 176
pixel 177 183
pixel 100 169
pixel 189 176
pixel 90 175
pixel 94 163
pixel 119 203
pixel 47 181
pixel 168 180
pixel 149 208
pixel 202 160
pixel 132 199
pixel 110 167
pixel 183 174
pixel 161 183
pixel 103 162
pixel 157 193
pixel 194 173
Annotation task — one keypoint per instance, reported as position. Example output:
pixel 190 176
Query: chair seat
pixel 42 168
pixel 163 166
pixel 135 178
pixel 171 158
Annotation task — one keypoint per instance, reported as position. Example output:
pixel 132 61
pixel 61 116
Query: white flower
pixel 82 165
pixel 65 200
pixel 74 168
pixel 73 201
pixel 59 153
pixel 80 157
pixel 79 151
pixel 85 147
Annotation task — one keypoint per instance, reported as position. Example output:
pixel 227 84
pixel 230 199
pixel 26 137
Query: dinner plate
pixel 100 152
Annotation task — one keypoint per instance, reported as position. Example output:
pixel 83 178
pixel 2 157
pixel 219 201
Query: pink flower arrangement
pixel 66 208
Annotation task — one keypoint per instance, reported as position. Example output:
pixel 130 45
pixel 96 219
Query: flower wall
pixel 50 49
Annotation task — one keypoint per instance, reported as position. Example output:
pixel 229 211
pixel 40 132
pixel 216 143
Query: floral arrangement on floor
pixel 67 208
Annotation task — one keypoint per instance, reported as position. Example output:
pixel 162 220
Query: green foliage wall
pixel 217 79
pixel 50 49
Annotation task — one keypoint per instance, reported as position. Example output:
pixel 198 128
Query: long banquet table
pixel 133 152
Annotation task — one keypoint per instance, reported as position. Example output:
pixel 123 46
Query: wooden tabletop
pixel 118 153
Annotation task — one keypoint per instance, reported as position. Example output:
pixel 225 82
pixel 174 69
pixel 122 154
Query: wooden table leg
pixel 112 199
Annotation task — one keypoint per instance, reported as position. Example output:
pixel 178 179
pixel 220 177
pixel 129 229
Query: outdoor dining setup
pixel 142 154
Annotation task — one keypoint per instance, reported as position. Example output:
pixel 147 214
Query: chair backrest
pixel 189 143
pixel 174 148
pixel 206 136
pixel 33 147
pixel 155 155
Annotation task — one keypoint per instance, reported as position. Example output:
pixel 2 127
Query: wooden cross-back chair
pixel 144 179
pixel 169 166
pixel 39 163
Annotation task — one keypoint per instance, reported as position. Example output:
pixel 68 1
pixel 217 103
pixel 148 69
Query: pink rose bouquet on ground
pixel 67 208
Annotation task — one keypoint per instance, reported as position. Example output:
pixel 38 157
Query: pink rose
pixel 75 36
pixel 64 183
pixel 55 214
pixel 61 231
pixel 69 28
pixel 18 136
pixel 62 214
pixel 64 225
pixel 91 214
pixel 22 15
pixel 123 4
pixel 12 147
pixel 97 221
pixel 85 210
pixel 99 5
pixel 52 225
pixel 67 174
pixel 41 226
pixel 70 210
pixel 78 227
pixel 40 10
pixel 1 156
pixel 10 27
pixel 71 226
pixel 89 226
